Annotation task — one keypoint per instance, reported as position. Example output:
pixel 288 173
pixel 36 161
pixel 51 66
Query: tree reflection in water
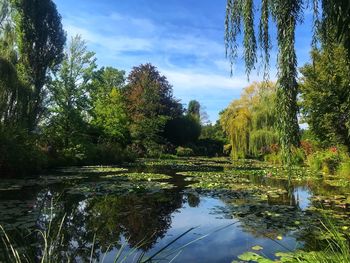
pixel 139 218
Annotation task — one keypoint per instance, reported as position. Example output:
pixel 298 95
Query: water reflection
pixel 148 219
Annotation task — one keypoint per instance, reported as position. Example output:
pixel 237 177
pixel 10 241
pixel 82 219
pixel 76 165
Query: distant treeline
pixel 58 108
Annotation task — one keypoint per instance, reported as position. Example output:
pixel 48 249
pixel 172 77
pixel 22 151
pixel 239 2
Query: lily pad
pixel 257 248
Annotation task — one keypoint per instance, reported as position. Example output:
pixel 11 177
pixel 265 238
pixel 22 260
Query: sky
pixel 184 39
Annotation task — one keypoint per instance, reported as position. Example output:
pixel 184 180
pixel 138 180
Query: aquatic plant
pixel 337 249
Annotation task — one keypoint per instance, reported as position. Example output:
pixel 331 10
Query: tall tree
pixel 286 14
pixel 69 93
pixel 7 33
pixel 194 108
pixel 150 104
pixel 250 121
pixel 326 97
pixel 108 105
pixel 335 18
pixel 4 13
pixel 13 95
pixel 40 44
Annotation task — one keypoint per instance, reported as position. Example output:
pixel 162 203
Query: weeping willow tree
pixel 236 123
pixel 285 14
pixel 264 119
pixel 13 95
pixel 250 121
pixel 7 33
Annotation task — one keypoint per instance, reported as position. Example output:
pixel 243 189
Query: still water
pixel 102 214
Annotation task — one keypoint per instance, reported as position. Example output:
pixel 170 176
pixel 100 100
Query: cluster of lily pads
pixel 22 211
pixel 183 164
pixel 253 192
pixel 92 169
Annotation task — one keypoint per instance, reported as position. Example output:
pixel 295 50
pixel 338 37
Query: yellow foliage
pixel 249 120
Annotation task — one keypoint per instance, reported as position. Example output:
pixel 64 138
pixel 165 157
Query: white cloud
pixel 142 24
pixel 115 43
pixel 224 65
pixel 193 80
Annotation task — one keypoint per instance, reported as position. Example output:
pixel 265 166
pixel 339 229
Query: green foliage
pixel 110 116
pixel 344 169
pixel 325 96
pixel 69 99
pixel 40 41
pixel 108 105
pixel 182 130
pixel 7 32
pixel 194 109
pixel 274 158
pixel 208 147
pixel 4 13
pixel 214 132
pixel 19 153
pixel 150 105
pixel 183 151
pixel 328 161
pixel 286 14
pixel 250 121
pixel 13 96
pixel 298 156
pixel 332 26
pixel 335 24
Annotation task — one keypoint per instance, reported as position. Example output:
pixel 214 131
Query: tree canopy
pixel 250 122
pixel 40 41
pixel 325 95
pixel 285 14
pixel 150 104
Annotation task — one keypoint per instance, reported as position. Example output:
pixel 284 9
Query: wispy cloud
pixel 185 43
pixel 114 43
pixel 192 80
pixel 118 33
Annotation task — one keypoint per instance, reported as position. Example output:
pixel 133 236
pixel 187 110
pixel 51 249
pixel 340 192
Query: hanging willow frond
pixel 286 14
pixel 336 19
pixel 264 37
pixel 249 35
pixel 232 28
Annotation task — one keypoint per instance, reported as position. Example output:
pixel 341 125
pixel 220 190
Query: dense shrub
pixel 183 151
pixel 327 161
pixel 344 169
pixel 274 158
pixel 182 130
pixel 298 156
pixel 111 153
pixel 106 153
pixel 19 153
pixel 208 147
pixel 227 149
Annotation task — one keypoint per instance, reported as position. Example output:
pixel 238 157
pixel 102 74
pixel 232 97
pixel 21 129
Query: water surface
pixel 104 212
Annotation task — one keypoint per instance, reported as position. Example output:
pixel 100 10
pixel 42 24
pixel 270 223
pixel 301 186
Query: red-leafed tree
pixel 150 105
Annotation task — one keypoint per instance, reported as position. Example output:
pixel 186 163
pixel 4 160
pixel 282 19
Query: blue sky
pixel 184 39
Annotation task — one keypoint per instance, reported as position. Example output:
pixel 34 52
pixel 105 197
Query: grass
pixel 336 251
pixel 51 239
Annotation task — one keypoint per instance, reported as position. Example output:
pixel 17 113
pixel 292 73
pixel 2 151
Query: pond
pixel 189 210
